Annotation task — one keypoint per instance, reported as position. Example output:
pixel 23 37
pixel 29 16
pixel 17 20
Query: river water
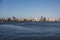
pixel 30 31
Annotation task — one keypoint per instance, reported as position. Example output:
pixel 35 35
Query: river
pixel 30 31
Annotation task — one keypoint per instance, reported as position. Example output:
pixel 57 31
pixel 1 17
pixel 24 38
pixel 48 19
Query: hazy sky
pixel 30 8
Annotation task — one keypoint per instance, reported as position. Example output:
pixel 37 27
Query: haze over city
pixel 30 8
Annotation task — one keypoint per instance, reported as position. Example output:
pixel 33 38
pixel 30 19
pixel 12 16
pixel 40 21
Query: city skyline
pixel 30 8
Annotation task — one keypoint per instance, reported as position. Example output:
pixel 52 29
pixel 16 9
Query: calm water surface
pixel 30 31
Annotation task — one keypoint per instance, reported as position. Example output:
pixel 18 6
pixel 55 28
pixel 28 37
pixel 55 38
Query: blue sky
pixel 30 8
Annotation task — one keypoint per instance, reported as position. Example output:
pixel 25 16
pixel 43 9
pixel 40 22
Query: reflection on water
pixel 47 31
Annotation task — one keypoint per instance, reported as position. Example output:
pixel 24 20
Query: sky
pixel 30 8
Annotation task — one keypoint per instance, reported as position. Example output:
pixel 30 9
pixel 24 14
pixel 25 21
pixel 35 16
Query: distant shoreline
pixel 28 21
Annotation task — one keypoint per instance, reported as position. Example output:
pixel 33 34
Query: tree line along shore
pixel 41 19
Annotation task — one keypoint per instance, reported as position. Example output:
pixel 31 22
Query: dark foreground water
pixel 30 31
